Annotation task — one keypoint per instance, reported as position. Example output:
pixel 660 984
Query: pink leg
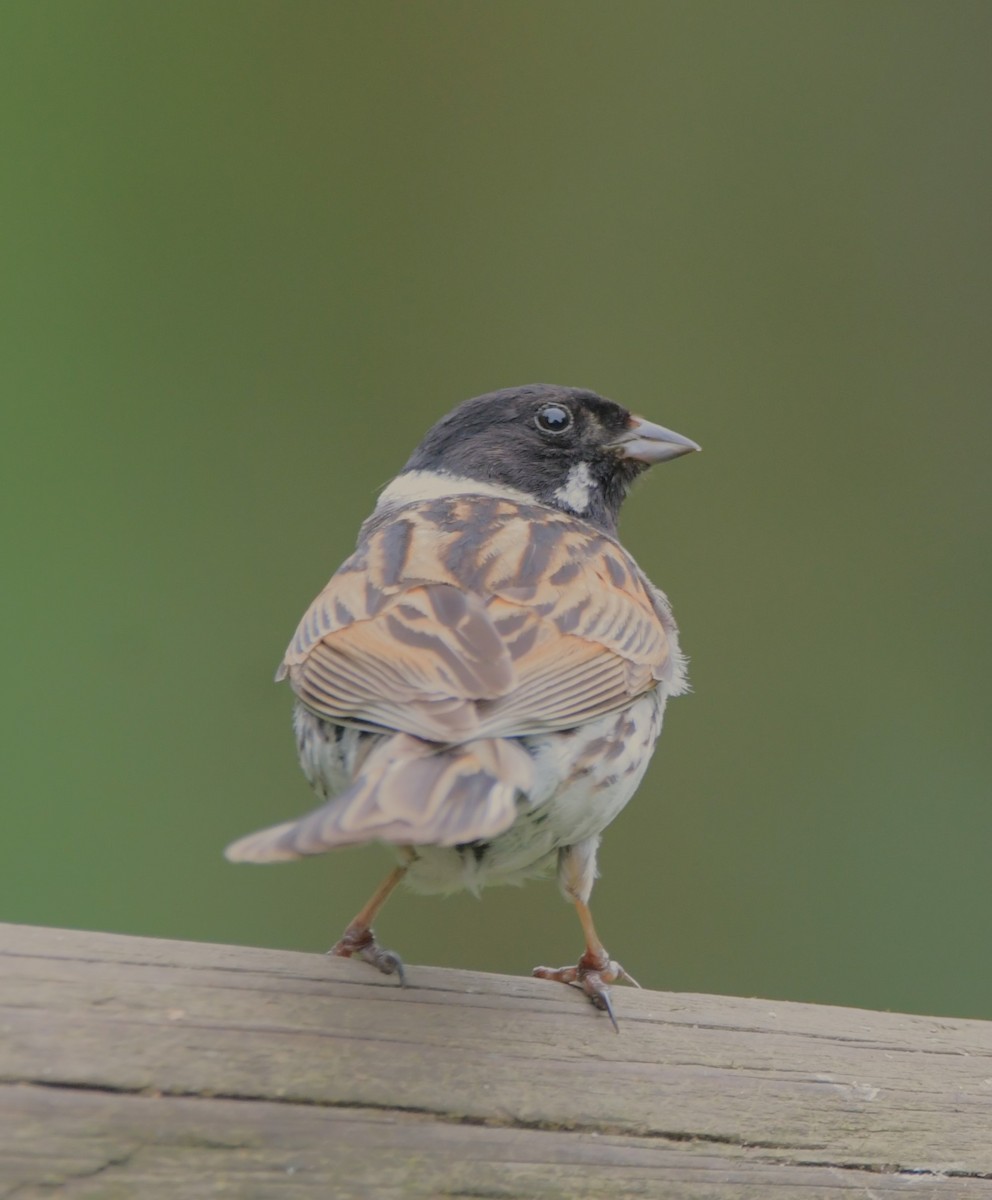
pixel 595 970
pixel 359 939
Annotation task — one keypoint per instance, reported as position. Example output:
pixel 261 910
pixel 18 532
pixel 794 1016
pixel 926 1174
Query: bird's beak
pixel 649 443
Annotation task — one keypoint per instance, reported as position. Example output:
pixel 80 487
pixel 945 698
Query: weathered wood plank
pixel 153 1068
pixel 162 1148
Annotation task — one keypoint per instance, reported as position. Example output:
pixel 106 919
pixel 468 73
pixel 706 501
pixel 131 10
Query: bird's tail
pixel 409 792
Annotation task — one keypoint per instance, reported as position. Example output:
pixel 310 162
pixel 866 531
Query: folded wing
pixel 473 617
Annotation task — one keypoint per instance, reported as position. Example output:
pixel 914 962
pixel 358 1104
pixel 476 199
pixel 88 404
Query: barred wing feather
pixel 474 617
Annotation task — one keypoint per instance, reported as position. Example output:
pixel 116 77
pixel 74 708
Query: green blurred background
pixel 251 250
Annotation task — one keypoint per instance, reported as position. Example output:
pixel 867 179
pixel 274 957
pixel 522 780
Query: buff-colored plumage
pixel 471 616
pixel 458 624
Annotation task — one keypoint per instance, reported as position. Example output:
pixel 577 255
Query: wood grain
pixel 146 1068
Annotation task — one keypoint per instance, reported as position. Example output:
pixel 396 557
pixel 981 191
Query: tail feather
pixel 409 792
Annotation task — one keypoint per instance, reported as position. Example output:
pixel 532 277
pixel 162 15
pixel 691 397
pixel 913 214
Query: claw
pixel 626 977
pixel 600 996
pixel 361 943
pixel 592 975
pixel 386 961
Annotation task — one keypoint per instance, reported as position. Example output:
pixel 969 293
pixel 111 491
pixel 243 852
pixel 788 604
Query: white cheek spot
pixel 576 492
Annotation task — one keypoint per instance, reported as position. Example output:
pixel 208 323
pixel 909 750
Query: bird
pixel 480 686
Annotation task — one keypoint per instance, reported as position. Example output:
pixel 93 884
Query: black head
pixel 565 447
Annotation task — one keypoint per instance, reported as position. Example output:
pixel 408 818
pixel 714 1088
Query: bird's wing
pixel 471 617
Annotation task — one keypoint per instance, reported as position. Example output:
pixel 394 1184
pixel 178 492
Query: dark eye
pixel 553 418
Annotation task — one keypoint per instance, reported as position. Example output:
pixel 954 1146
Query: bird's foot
pixel 361 943
pixel 593 974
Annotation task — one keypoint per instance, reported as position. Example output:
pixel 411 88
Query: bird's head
pixel 559 446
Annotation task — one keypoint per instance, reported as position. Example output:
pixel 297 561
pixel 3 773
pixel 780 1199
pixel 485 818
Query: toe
pixel 389 963
pixel 558 974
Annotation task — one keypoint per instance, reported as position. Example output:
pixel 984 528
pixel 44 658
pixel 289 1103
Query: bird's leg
pixel 359 939
pixel 595 969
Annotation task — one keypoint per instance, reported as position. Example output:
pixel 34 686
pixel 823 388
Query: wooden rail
pixel 160 1070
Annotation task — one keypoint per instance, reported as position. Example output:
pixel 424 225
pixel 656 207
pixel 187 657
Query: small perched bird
pixel 482 683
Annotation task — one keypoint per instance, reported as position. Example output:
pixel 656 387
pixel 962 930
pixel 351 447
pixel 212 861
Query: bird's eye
pixel 553 418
